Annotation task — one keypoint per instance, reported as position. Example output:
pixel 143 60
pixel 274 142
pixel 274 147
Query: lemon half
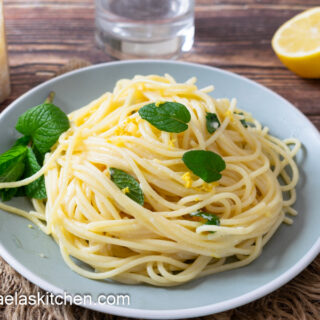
pixel 297 43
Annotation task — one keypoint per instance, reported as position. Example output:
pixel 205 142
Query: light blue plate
pixel 290 250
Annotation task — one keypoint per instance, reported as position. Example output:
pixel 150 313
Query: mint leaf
pixel 41 125
pixel 243 121
pixel 211 219
pixel 37 188
pixel 23 141
pixel 7 194
pixel 39 155
pixel 168 116
pixel 44 123
pixel 21 192
pixel 11 169
pixel 212 122
pixel 128 184
pixel 205 164
pixel 12 163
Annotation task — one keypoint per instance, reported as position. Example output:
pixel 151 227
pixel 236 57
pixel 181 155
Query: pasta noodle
pixel 161 243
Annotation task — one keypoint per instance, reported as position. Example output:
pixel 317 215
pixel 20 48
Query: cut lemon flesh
pixel 297 43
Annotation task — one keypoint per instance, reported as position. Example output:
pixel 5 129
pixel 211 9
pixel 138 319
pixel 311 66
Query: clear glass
pixel 145 28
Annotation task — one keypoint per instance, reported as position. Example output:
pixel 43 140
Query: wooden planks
pixel 231 34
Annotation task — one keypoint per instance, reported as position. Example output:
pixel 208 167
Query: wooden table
pixel 235 35
pixel 230 34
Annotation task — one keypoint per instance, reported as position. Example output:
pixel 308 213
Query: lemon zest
pixel 186 177
pixel 125 190
pixel 207 187
pixel 119 143
pixel 119 131
pixel 229 114
pixel 171 142
pixel 158 103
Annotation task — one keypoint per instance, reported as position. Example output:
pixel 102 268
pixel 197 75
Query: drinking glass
pixel 145 28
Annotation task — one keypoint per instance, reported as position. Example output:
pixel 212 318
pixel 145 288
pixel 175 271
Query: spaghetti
pixel 162 242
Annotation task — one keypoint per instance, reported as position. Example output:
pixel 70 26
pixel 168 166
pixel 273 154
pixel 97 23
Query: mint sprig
pixel 128 184
pixel 212 122
pixel 205 164
pixel 44 124
pixel 41 125
pixel 168 116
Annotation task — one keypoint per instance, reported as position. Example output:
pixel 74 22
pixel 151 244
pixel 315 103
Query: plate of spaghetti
pixel 189 189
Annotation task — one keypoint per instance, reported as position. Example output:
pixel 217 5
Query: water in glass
pixel 145 28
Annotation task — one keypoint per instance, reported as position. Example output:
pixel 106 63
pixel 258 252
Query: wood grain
pixel 233 35
pixel 43 35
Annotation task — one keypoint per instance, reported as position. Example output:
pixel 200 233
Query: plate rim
pixel 172 313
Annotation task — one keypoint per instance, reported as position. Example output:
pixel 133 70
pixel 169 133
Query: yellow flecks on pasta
pixel 207 187
pixel 119 143
pixel 171 142
pixel 125 122
pixel 116 142
pixel 197 199
pixel 125 190
pixel 30 226
pixel 128 127
pixel 132 120
pixel 229 114
pixel 119 131
pixel 186 177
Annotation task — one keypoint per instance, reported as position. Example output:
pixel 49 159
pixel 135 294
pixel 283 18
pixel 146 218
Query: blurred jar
pixel 145 28
pixel 4 69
